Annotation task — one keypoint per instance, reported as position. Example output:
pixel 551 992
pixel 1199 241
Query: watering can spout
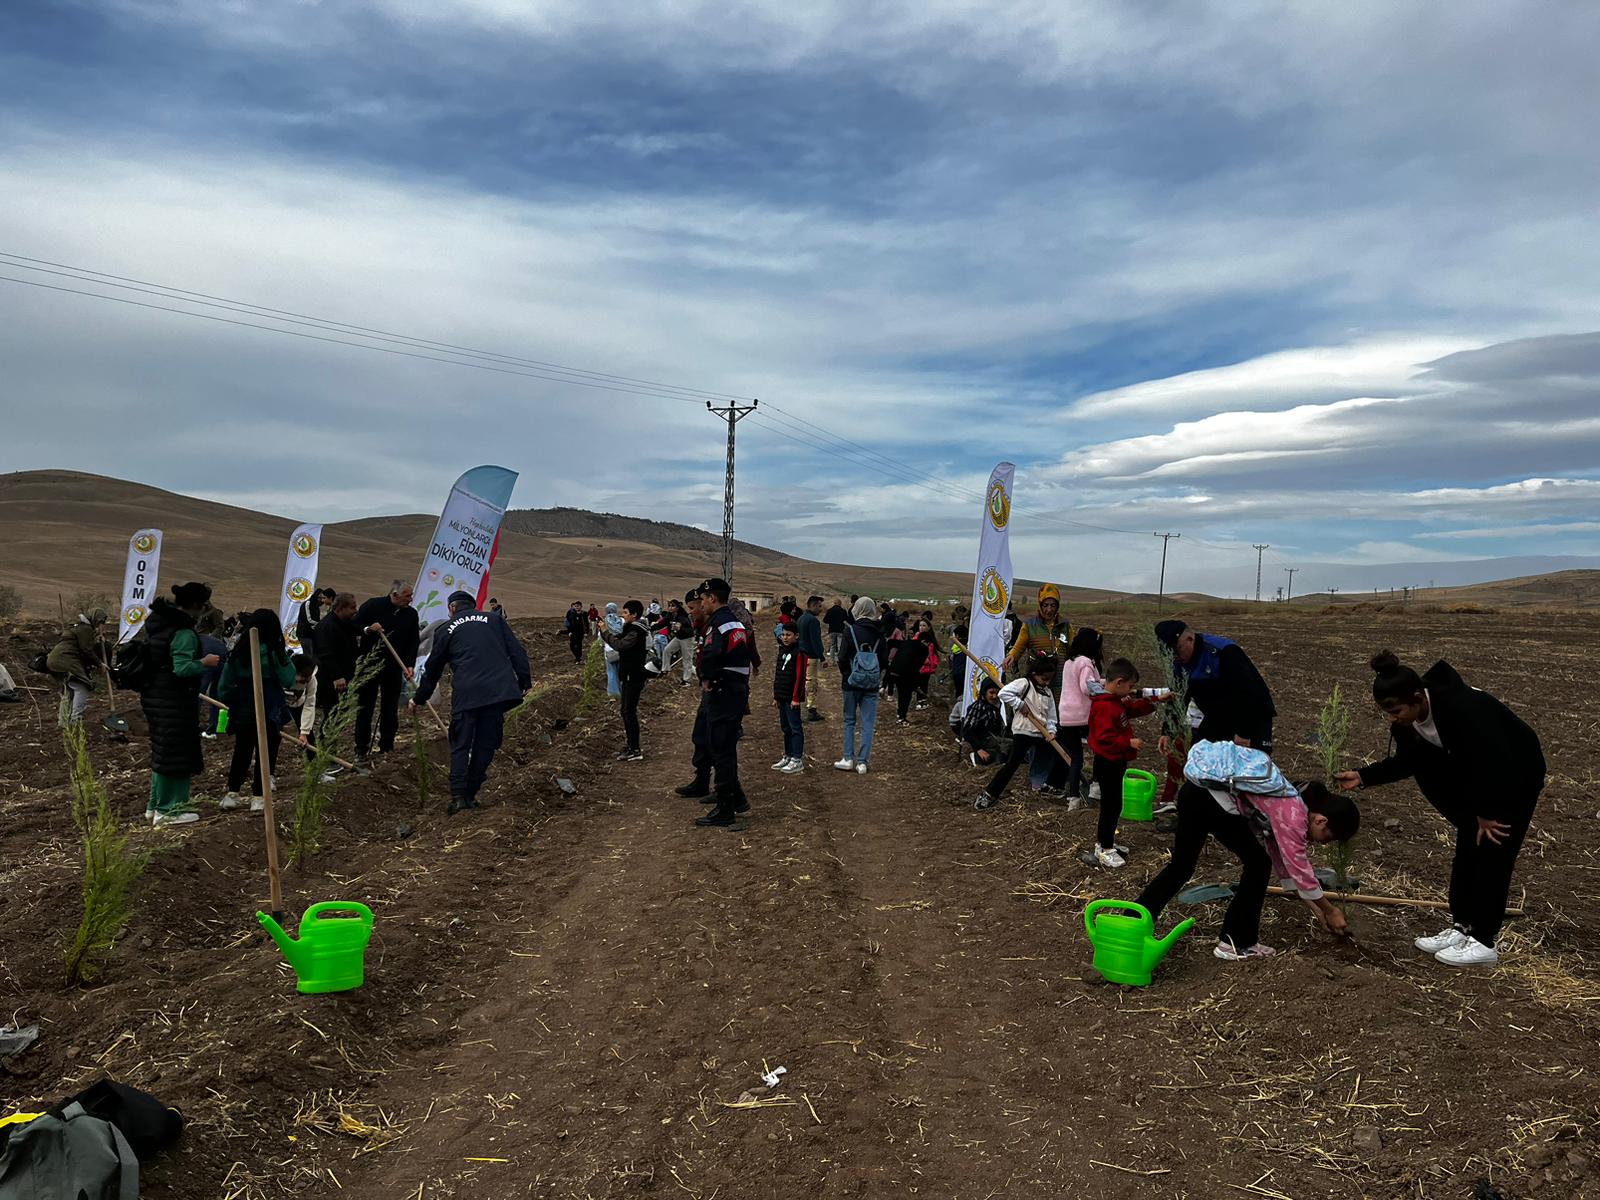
pixel 292 950
pixel 1156 948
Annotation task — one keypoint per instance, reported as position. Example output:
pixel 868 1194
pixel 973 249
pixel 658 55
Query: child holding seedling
pixel 1031 705
pixel 789 691
pixel 1238 796
pixel 1111 738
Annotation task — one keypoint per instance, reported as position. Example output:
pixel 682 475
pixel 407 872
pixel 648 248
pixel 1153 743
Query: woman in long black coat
pixel 170 698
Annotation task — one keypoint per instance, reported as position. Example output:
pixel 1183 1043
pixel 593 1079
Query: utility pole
pixel 1161 588
pixel 733 414
pixel 1291 571
pixel 1259 550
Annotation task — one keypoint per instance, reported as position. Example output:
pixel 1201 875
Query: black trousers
pixel 1200 817
pixel 717 729
pixel 575 644
pixel 475 734
pixel 1069 775
pixel 244 749
pixel 904 695
pixel 1480 877
pixel 383 695
pixel 1022 744
pixel 1108 773
pixel 632 689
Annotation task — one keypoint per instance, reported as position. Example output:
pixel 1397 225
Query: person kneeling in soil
pixel 1445 735
pixel 1022 698
pixel 1267 831
pixel 983 728
pixel 789 678
pixel 490 674
pixel 75 661
pixel 1111 715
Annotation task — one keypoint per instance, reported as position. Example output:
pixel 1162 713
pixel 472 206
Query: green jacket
pixel 76 657
pixel 236 691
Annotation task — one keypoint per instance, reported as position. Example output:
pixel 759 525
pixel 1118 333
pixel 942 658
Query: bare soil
pixel 577 996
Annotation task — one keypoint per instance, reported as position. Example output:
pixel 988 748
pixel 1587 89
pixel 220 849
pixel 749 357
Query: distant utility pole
pixel 733 414
pixel 1291 571
pixel 1161 588
pixel 1280 593
pixel 1259 550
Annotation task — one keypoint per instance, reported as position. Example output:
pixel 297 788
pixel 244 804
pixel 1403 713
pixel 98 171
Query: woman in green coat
pixel 74 662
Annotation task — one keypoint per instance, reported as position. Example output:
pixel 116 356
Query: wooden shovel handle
pixel 399 662
pixel 1388 901
pixel 1023 709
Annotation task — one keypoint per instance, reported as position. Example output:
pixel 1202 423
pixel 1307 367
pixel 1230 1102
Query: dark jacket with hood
pixel 1491 764
pixel 335 641
pixel 171 698
pixel 488 665
pixel 868 634
pixel 630 645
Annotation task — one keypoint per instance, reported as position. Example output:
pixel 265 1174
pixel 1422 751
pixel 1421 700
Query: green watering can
pixel 1125 947
pixel 1138 795
pixel 330 955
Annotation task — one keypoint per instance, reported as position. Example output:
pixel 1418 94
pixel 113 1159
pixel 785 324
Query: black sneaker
pixel 693 789
pixel 984 802
pixel 632 756
pixel 457 803
pixel 720 817
pixel 813 715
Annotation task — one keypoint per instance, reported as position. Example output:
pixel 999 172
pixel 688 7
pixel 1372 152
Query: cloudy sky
pixel 1319 276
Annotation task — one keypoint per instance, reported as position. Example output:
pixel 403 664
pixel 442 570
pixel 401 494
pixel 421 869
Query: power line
pixel 248 308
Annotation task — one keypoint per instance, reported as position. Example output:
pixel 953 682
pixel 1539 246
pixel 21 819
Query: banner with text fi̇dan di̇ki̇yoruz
pixel 139 582
pixel 299 579
pixel 991 586
pixel 464 542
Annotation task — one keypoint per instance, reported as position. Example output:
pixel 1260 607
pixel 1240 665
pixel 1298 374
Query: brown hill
pixel 69 533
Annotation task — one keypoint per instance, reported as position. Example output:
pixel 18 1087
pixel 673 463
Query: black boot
pixel 699 786
pixel 723 816
pixel 457 803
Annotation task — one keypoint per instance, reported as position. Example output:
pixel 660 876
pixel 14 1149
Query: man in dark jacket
pixel 631 644
pixel 390 617
pixel 724 665
pixel 810 629
pixel 490 674
pixel 335 639
pixel 836 618
pixel 575 625
pixel 1223 684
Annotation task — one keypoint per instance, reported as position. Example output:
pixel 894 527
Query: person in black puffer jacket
pixel 169 700
pixel 631 645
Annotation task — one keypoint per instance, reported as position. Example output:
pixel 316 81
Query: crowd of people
pixel 1065 713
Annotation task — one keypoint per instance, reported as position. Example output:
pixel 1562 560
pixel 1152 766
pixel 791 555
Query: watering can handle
pixel 1096 905
pixel 344 906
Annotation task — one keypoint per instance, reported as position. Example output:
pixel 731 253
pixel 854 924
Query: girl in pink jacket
pixel 1080 683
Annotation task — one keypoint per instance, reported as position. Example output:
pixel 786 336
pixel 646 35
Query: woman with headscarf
pixel 74 661
pixel 612 622
pixel 169 699
pixel 860 688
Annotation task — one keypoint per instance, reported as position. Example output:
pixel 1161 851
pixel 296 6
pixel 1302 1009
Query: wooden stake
pixel 274 882
pixel 409 673
pixel 1389 901
pixel 297 739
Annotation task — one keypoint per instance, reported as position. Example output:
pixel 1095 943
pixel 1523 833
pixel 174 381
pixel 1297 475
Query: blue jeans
pixel 794 730
pixel 866 704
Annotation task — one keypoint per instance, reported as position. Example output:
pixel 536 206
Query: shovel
pixel 299 740
pixel 113 721
pixel 1204 893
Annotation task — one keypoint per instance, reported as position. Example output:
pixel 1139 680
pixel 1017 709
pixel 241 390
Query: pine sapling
pixel 1174 715
pixel 594 677
pixel 316 787
pixel 1333 735
pixel 110 867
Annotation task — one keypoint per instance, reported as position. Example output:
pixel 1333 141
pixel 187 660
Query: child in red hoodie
pixel 1111 738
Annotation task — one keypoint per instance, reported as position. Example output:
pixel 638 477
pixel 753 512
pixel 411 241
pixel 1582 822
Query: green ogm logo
pixel 999 505
pixel 992 593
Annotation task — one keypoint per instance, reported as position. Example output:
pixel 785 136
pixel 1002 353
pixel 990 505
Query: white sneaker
pixel 230 802
pixel 1094 791
pixel 1074 804
pixel 782 763
pixel 1469 953
pixel 796 765
pixel 861 768
pixel 149 815
pixel 1228 952
pixel 1108 858
pixel 845 764
pixel 188 817
pixel 1445 939
pixel 257 804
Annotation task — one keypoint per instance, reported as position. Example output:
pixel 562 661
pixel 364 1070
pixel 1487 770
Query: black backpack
pixel 135 664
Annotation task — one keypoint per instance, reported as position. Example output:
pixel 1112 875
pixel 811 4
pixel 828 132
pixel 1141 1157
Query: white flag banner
pixel 464 542
pixel 139 582
pixel 991 586
pixel 299 580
